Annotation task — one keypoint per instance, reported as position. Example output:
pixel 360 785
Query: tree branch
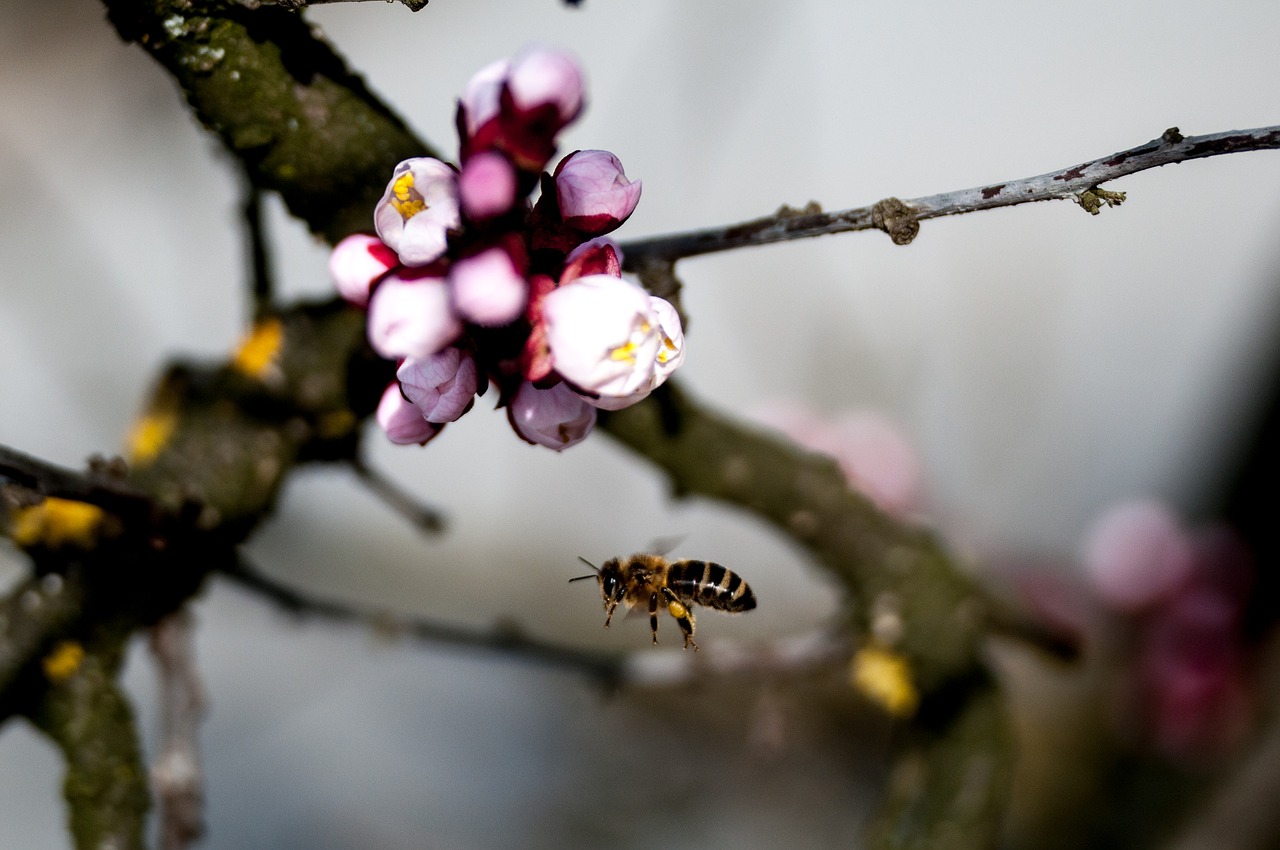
pixel 901 220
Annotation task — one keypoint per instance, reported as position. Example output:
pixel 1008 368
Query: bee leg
pixel 653 616
pixel 683 615
pixel 609 608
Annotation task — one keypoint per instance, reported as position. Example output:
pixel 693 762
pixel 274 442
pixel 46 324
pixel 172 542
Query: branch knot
pixel 896 219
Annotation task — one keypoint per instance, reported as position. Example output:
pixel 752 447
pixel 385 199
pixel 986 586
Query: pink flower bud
pixel 411 317
pixel 356 262
pixel 402 421
pixel 487 186
pixel 602 335
pixel 600 255
pixel 418 209
pixel 594 193
pixel 540 76
pixel 488 289
pixel 556 418
pixel 482 98
pixel 441 386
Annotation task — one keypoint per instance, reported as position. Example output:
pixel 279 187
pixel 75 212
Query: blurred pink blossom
pixel 874 455
pixel 542 76
pixel 1136 554
pixel 487 186
pixel 487 288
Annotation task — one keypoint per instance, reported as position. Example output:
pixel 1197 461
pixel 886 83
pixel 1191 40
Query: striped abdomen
pixel 712 585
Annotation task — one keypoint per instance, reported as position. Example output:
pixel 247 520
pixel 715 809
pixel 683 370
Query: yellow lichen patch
pixel 335 424
pixel 149 435
pixel 258 352
pixel 56 523
pixel 64 661
pixel 884 677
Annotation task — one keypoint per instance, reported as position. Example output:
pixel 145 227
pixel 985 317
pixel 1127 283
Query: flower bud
pixel 601 334
pixel 594 193
pixel 411 317
pixel 418 209
pixel 482 98
pixel 556 418
pixel 442 386
pixel 487 289
pixel 402 421
pixel 356 262
pixel 541 76
pixel 487 186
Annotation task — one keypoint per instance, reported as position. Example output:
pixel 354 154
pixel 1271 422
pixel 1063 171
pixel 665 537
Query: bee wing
pixel 665 544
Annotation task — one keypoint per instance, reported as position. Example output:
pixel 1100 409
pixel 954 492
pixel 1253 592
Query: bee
pixel 652 580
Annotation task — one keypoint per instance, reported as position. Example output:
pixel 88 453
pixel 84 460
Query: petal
pixel 411 318
pixel 555 417
pixel 481 99
pixel 401 421
pixel 487 289
pixel 671 347
pixel 356 262
pixel 441 386
pixel 540 75
pixel 487 186
pixel 418 209
pixel 602 335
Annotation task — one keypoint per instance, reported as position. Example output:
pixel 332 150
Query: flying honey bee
pixel 676 585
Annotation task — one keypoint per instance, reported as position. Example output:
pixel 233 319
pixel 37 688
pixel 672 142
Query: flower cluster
pixel 468 283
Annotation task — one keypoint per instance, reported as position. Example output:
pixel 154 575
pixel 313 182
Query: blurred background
pixel 1044 364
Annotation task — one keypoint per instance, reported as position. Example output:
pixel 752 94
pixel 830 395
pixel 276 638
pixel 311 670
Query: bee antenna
pixel 589 564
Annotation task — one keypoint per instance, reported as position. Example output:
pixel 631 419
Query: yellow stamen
pixel 149 435
pixel 625 352
pixel 667 349
pixel 406 201
pixel 56 523
pixel 64 661
pixel 258 351
pixel 884 677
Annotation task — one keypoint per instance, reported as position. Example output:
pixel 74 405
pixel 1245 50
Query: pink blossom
pixel 556 418
pixel 541 76
pixel 487 186
pixel 356 262
pixel 441 386
pixel 671 334
pixel 402 421
pixel 876 458
pixel 488 289
pixel 605 336
pixel 411 317
pixel 594 193
pixel 418 209
pixel 600 255
pixel 1137 553
pixel 482 98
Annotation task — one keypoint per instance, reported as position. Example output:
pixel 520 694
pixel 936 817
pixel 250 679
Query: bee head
pixel 609 576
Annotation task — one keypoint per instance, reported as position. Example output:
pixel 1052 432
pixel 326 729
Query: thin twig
pixel 262 288
pixel 176 774
pixel 424 517
pixel 506 639
pixel 99 486
pixel 900 219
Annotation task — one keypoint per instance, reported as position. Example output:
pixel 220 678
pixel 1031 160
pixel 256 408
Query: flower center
pixel 626 353
pixel 667 349
pixel 406 201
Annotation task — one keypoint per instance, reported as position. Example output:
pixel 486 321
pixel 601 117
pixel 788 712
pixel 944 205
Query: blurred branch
pixel 901 219
pixel 175 771
pixel 424 517
pixel 87 715
pixel 261 285
pixel 507 639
